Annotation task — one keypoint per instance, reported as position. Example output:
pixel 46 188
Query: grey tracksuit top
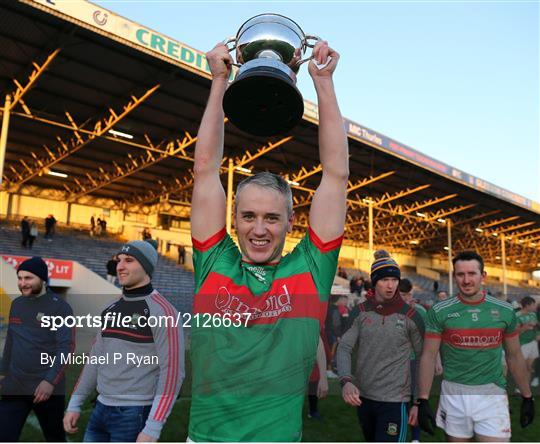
pixel 385 343
pixel 125 382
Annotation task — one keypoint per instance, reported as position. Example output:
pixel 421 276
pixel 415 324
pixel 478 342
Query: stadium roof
pixel 74 71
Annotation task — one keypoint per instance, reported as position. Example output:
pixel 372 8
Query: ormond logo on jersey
pixel 473 338
pixel 271 306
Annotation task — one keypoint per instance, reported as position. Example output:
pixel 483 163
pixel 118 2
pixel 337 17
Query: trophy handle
pixel 232 48
pixel 228 42
pixel 311 37
pixel 307 44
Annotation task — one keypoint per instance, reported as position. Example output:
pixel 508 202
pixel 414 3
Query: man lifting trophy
pixel 263 100
pixel 249 381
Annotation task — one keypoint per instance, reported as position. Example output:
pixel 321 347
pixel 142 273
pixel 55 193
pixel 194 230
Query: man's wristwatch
pixel 345 380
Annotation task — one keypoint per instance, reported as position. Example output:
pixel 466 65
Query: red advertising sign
pixel 58 270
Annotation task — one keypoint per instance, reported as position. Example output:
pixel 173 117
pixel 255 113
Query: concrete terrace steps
pixel 174 282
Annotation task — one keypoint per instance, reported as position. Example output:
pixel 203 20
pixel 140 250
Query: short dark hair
pixel 527 300
pixel 405 285
pixel 469 256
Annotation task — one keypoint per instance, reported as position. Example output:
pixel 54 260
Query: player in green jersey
pixel 249 381
pixel 469 330
pixel 528 331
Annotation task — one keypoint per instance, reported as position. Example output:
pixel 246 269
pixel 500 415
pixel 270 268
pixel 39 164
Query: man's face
pixel 29 284
pixel 408 297
pixel 130 272
pixel 441 296
pixel 262 223
pixel 342 300
pixel 531 308
pixel 468 277
pixel 386 287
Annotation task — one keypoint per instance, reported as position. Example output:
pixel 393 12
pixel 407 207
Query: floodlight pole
pixel 503 256
pixel 449 235
pixel 4 134
pixel 370 217
pixel 230 177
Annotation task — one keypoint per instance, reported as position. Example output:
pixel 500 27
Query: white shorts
pixel 465 410
pixel 530 350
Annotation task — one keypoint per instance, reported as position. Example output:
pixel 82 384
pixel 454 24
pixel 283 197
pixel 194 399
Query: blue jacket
pixel 27 342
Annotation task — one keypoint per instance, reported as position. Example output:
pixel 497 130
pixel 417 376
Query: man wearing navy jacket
pixel 27 383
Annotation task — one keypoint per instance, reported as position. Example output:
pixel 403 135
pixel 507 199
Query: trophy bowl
pixel 263 99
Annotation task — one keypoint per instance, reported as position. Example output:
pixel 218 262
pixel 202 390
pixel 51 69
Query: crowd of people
pixel 249 379
pixel 98 227
pixel 30 230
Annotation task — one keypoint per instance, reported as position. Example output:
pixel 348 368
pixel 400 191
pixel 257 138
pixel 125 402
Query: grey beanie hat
pixel 144 252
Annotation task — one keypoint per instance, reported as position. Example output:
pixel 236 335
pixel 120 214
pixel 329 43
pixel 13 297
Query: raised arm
pixel 329 206
pixel 208 204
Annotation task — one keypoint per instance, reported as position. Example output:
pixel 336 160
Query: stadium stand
pixel 173 281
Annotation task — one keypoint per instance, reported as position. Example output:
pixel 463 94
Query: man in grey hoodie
pixel 137 367
pixel 386 331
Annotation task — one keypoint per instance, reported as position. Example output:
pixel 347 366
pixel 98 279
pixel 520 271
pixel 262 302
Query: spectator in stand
pixel 181 254
pixel 318 382
pixel 27 383
pixel 98 226
pixel 442 296
pixel 33 233
pixel 111 269
pixel 50 227
pixel 92 226
pixel 342 273
pixel 354 286
pixel 343 301
pixel 103 227
pixel 367 286
pixel 25 231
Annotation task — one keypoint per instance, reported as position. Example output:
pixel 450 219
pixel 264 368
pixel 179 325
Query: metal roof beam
pixel 368 180
pixel 427 203
pixel 65 149
pixel 249 157
pixel 525 233
pixel 303 174
pixel 176 148
pixel 513 228
pixel 20 90
pixel 497 222
pixel 389 198
pixel 75 128
pixel 186 182
pixel 473 218
pixel 445 213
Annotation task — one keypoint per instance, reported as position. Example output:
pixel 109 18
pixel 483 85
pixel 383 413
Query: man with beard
pixel 27 383
pixel 470 330
pixel 249 380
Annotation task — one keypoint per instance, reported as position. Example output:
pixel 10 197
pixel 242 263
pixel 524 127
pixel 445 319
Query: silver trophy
pixel 263 99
